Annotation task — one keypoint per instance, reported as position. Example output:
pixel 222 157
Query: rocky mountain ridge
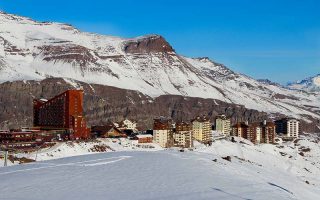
pixel 107 103
pixel 310 84
pixel 31 50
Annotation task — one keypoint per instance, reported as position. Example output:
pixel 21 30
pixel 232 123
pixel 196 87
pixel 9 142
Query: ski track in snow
pixel 95 162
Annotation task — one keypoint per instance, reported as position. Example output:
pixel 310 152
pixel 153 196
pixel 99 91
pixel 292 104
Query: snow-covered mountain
pixel 311 84
pixel 31 50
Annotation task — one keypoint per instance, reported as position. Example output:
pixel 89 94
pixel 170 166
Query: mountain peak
pixel 268 82
pixel 12 17
pixel 310 84
pixel 147 44
pixel 31 50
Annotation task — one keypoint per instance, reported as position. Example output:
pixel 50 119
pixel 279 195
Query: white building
pixel 223 125
pixel 126 125
pixel 288 127
pixel 293 128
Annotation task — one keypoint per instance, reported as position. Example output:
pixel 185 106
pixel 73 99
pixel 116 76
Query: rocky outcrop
pixel 104 103
pixel 31 50
pixel 67 53
pixel 147 44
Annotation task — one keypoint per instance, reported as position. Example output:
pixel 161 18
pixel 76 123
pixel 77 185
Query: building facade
pixel 126 125
pixel 64 111
pixel 258 132
pixel 183 135
pixel 163 132
pixel 223 125
pixel 268 134
pixel 146 138
pixel 201 129
pixel 131 125
pixel 288 127
pixel 107 131
pixel 22 139
pixel 241 129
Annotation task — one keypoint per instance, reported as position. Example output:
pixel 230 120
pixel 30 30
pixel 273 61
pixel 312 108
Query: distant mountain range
pixel 311 84
pixel 31 50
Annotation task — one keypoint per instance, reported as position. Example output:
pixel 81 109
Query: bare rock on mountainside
pixel 148 44
pixel 154 79
pixel 103 103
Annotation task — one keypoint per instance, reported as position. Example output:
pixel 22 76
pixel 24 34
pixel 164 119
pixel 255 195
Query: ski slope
pixel 254 172
pixel 146 175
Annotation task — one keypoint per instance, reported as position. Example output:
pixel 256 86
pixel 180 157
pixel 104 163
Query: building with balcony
pixel 288 127
pixel 163 132
pixel 201 129
pixel 62 112
pixel 182 135
pixel 258 132
pixel 223 125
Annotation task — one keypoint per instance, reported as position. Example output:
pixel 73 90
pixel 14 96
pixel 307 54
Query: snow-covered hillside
pixel 35 50
pixel 311 84
pixel 253 172
pixel 71 148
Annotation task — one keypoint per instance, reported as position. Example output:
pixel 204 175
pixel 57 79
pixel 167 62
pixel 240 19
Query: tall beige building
pixel 183 135
pixel 163 133
pixel 223 125
pixel 201 129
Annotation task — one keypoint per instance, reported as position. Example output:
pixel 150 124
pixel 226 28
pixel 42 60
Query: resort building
pixel 127 125
pixel 163 132
pixel 144 138
pixel 183 135
pixel 258 132
pixel 288 127
pixel 62 112
pixel 201 129
pixel 107 131
pixel 223 125
pixel 241 129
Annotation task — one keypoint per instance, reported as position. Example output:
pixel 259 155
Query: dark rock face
pixel 267 81
pixel 148 44
pixel 103 103
pixel 67 53
pixel 11 49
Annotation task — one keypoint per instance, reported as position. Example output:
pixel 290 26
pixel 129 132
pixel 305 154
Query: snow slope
pixel 149 175
pixel 36 50
pixel 69 149
pixel 311 84
pixel 255 172
pixel 299 158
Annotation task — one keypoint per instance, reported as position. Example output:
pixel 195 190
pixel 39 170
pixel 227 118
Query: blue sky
pixel 274 39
